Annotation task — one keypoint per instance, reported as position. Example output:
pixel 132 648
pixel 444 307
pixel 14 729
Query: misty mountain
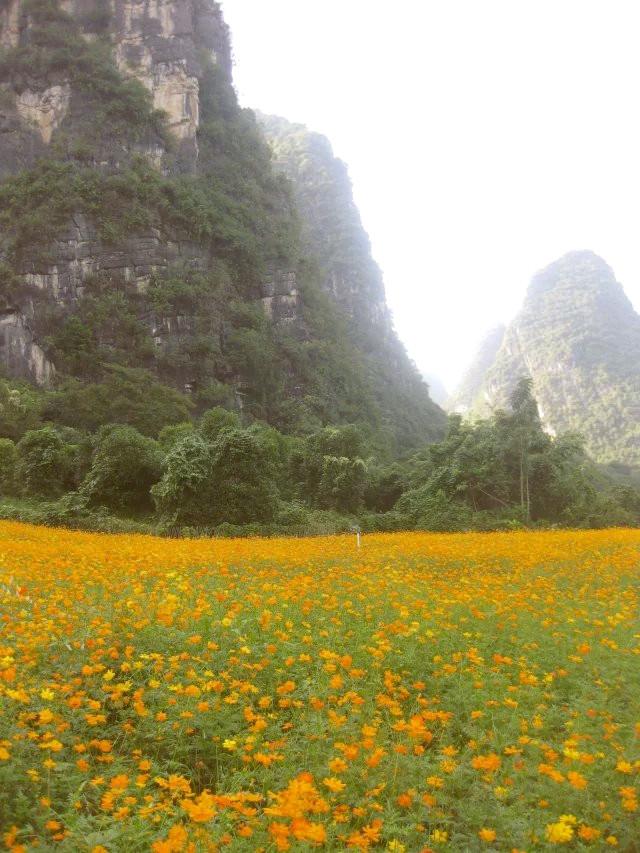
pixel 148 236
pixel 578 337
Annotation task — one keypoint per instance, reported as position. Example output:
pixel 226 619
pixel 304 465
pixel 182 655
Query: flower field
pixel 426 692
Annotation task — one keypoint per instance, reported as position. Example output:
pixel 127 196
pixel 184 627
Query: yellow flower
pixel 439 836
pixel 559 833
pixel 487 834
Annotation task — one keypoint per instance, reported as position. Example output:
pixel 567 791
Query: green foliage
pixel 242 477
pixel 342 483
pixel 329 468
pixel 183 494
pixel 507 470
pixel 428 509
pixel 173 433
pixel 125 396
pixel 8 464
pixel 115 108
pixel 44 463
pixel 20 409
pixel 125 466
pixel 227 480
pixel 213 421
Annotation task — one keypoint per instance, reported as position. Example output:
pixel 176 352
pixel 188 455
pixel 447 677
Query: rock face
pixel 332 232
pixel 331 221
pixel 44 110
pixel 20 355
pixel 158 42
pixel 143 224
pixel 470 388
pixel 80 254
pixel 578 337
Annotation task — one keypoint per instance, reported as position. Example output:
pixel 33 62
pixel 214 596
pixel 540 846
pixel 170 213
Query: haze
pixel 483 141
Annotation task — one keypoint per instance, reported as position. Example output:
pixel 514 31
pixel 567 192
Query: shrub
pixel 44 463
pixel 216 419
pixel 182 495
pixel 424 509
pixel 173 433
pixel 125 466
pixel 229 480
pixel 8 460
pixel 126 395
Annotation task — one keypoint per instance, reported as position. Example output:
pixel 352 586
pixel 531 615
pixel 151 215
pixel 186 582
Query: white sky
pixel 484 138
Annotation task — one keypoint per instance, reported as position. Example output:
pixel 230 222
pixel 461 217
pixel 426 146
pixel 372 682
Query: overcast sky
pixel 484 138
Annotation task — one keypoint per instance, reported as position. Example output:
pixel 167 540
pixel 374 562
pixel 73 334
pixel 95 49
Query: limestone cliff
pixel 578 337
pixel 333 234
pixel 470 389
pixel 142 224
pixel 158 42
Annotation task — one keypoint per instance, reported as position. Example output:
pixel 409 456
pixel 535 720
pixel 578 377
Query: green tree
pixel 8 461
pixel 242 474
pixel 229 480
pixel 20 409
pixel 183 495
pixel 172 433
pixel 342 483
pixel 45 463
pixel 526 432
pixel 329 467
pixel 126 396
pixel 125 466
pixel 216 419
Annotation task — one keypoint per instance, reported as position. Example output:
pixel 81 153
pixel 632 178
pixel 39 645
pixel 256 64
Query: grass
pixel 427 692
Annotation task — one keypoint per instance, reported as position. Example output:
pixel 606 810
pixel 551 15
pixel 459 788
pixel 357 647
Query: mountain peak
pixel 578 337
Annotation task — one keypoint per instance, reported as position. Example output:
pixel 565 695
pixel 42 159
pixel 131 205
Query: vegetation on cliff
pixel 578 338
pixel 199 324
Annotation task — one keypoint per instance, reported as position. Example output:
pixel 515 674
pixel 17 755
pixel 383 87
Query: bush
pixel 216 419
pixel 44 463
pixel 427 510
pixel 126 395
pixel 173 433
pixel 342 483
pixel 229 480
pixel 8 461
pixel 182 495
pixel 20 409
pixel 125 466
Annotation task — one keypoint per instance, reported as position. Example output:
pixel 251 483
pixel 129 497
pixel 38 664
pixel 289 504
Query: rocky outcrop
pixel 173 260
pixel 79 254
pixel 471 387
pixel 281 300
pixel 20 355
pixel 44 111
pixel 331 222
pixel 10 23
pixel 158 42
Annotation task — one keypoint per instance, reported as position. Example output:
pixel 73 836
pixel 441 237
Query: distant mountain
pixel 578 337
pixel 464 397
pixel 437 390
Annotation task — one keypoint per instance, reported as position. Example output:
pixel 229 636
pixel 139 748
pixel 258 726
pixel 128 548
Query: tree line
pixel 219 475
